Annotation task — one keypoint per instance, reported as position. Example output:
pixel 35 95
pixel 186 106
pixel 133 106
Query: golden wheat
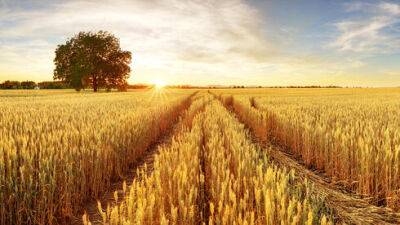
pixel 351 134
pixel 212 173
pixel 170 194
pixel 58 151
pixel 245 188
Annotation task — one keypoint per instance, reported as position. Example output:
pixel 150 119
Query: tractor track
pixel 348 207
pixel 144 163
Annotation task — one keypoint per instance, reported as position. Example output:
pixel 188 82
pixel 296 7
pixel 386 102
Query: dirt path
pixel 348 208
pixel 145 163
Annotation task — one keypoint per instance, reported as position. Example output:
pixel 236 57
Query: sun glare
pixel 159 83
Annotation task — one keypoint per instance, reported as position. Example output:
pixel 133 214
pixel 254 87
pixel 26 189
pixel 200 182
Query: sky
pixel 226 42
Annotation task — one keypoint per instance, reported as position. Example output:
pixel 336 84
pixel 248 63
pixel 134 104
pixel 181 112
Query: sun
pixel 159 83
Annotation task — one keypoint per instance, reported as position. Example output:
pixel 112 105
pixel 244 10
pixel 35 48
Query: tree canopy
pixel 8 84
pixel 92 60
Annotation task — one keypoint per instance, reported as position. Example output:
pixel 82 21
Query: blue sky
pixel 352 43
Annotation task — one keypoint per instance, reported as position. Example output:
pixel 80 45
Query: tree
pixel 28 84
pixel 53 85
pixel 8 84
pixel 92 59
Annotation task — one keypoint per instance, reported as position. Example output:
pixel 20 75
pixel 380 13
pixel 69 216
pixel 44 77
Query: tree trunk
pixel 94 83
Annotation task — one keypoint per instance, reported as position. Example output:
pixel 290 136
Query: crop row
pixel 355 140
pixel 59 151
pixel 212 173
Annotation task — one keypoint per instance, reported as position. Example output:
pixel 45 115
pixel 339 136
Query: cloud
pixel 162 34
pixel 356 6
pixel 381 7
pixel 374 33
pixel 194 41
pixel 390 8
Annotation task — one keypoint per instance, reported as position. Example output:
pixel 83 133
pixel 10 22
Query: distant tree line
pixel 183 86
pixel 307 86
pixel 53 85
pixel 139 86
pixel 291 86
pixel 64 85
pixel 10 84
pixel 238 86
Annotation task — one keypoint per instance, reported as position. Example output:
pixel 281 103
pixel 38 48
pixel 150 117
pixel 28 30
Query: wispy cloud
pixel 390 8
pixel 374 32
pixel 202 41
pixel 162 34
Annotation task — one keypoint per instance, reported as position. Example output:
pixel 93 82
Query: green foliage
pixel 17 85
pixel 28 84
pixel 11 85
pixel 53 85
pixel 92 59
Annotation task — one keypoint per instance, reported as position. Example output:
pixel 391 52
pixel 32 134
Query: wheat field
pixel 352 134
pixel 213 162
pixel 58 150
